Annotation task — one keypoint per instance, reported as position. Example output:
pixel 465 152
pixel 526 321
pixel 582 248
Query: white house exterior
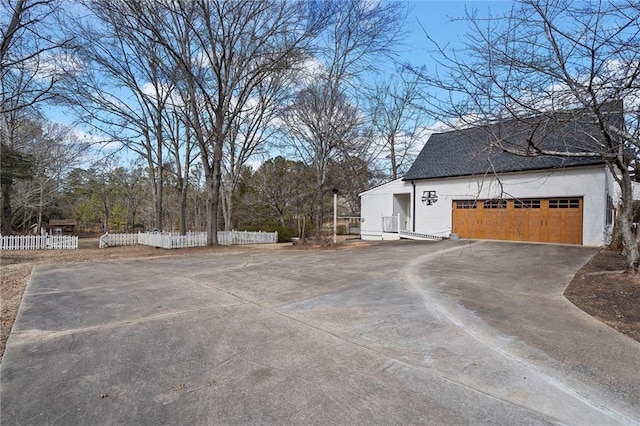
pixel 384 202
pixel 454 187
pixel 590 184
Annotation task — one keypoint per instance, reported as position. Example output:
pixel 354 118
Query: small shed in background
pixel 62 226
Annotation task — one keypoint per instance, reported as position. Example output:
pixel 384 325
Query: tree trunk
pixel 40 206
pixel 392 154
pixel 212 177
pixel 183 205
pixel 158 207
pixel 133 217
pixel 26 218
pixel 212 232
pixel 228 224
pixel 126 216
pixel 319 197
pixel 154 192
pixel 106 217
pixel 6 208
pixel 625 219
pixel 302 223
pixel 160 182
pixel 217 181
pixel 319 210
pixel 227 207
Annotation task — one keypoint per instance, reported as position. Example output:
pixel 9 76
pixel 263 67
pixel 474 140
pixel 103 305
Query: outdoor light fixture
pixel 429 198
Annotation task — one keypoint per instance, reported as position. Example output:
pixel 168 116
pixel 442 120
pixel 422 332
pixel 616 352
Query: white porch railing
pixel 391 223
pixel 38 242
pixel 168 240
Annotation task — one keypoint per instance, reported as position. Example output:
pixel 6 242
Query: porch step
pixel 419 236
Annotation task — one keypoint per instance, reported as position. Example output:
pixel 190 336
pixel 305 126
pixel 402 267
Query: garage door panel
pixel 565 220
pixel 494 219
pixel 467 220
pixel 521 223
pixel 528 216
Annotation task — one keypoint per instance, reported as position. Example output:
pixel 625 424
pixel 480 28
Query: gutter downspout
pixel 413 207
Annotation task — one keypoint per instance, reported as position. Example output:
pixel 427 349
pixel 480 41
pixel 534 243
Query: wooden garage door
pixel 553 220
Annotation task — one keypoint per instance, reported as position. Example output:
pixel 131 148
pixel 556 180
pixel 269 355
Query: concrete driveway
pixel 452 332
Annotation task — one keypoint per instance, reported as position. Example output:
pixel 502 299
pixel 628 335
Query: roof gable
pixel 473 151
pixel 396 184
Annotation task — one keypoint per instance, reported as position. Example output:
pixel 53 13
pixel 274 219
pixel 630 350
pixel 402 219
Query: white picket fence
pixel 172 241
pixel 168 240
pixel 245 237
pixel 116 240
pixel 38 242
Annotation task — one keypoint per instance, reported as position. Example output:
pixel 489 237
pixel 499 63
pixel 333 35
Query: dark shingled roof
pixel 473 151
pixel 63 222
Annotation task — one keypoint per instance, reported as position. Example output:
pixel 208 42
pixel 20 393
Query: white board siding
pixel 592 183
pixel 378 202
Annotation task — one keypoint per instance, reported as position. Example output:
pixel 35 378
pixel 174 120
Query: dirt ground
pixel 599 288
pixel 604 291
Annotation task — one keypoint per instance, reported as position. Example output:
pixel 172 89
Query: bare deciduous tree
pixel 225 51
pixel 397 121
pixel 249 134
pixel 29 49
pixel 53 150
pixel 550 62
pixel 118 86
pixel 318 126
pixel 323 119
pixel 183 152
